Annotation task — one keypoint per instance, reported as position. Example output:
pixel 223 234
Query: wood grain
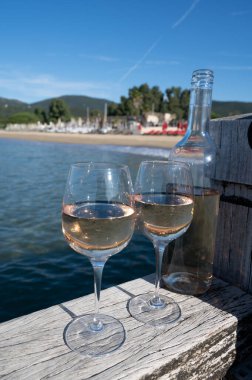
pixel 234 153
pixel 233 176
pixel 202 342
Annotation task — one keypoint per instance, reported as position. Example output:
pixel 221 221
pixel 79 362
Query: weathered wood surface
pixel 201 345
pixel 233 176
pixel 234 163
pixel 233 261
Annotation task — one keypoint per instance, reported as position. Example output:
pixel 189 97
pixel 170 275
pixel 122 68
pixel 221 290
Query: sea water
pixel 37 267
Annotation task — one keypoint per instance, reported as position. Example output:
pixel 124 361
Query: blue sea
pixel 37 267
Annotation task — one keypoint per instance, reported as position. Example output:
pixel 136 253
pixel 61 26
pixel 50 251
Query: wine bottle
pixel 188 262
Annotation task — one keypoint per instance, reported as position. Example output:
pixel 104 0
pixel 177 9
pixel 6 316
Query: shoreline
pixel 95 139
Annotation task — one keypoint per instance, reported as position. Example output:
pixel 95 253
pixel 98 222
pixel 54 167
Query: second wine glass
pixel 164 202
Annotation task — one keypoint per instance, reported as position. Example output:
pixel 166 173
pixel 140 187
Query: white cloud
pixel 233 55
pixel 234 68
pixel 161 62
pixel 32 87
pixel 240 13
pixel 102 58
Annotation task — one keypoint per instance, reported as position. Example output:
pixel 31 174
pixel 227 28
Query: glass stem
pixel 159 252
pixel 98 266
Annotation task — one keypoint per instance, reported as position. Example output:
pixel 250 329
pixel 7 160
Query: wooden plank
pixel 233 260
pixel 233 177
pixel 202 344
pixel 234 152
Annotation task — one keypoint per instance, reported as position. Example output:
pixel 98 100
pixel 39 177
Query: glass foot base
pixel 79 336
pixel 141 308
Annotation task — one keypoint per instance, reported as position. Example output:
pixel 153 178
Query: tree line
pixel 140 99
pixel 58 109
pixel 144 99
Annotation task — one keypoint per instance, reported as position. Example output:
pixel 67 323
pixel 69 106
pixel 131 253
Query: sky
pixel 102 48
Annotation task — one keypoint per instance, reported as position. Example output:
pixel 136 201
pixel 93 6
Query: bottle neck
pixel 200 109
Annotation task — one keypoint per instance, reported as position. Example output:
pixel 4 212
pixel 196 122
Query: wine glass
pixel 164 204
pixel 98 219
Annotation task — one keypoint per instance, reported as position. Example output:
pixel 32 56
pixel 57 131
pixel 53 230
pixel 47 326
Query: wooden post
pixel 233 176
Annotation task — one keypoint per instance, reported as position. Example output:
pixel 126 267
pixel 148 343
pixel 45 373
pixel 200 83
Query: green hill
pixel 9 107
pixel 231 108
pixel 78 106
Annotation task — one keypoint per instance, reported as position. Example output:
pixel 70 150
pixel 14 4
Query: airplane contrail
pixel 185 15
pixel 138 63
pixel 177 23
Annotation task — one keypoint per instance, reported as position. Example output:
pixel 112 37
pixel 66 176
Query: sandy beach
pixel 127 140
